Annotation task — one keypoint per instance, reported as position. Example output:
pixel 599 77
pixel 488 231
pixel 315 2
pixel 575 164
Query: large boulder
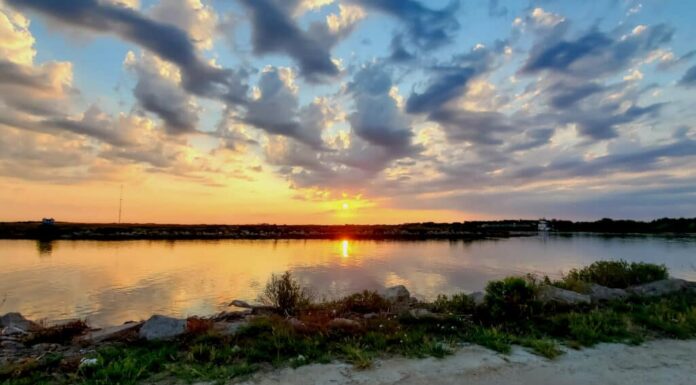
pixel 226 328
pixel 552 294
pixel 17 322
pixel 160 327
pixel 659 288
pixel 125 332
pixel 599 293
pixel 397 295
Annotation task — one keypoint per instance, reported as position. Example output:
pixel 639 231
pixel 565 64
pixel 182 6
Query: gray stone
pixel 552 294
pixel 112 333
pixel 424 314
pixel 370 315
pixel 11 345
pixel 229 328
pixel 658 288
pixel 398 297
pixel 599 293
pixel 478 298
pixel 344 324
pixel 18 321
pixel 241 304
pixel 12 331
pixel 297 325
pixel 160 327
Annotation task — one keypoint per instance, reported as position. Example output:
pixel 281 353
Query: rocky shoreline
pixel 22 339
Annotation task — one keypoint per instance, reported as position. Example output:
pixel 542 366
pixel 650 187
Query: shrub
pixel 588 329
pixel 365 302
pixel 511 300
pixel 285 294
pixel 457 304
pixel 616 274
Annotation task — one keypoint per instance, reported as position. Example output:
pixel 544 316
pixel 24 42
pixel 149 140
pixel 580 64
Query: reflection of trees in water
pixel 44 247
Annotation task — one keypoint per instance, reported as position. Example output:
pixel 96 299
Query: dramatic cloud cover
pixel 334 111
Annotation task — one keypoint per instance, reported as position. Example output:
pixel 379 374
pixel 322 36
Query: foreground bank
pixel 605 302
pixel 654 362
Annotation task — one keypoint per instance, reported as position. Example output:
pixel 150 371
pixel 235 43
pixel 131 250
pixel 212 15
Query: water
pixel 113 282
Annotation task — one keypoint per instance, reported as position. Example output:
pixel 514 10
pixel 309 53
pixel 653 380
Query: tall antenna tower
pixel 120 205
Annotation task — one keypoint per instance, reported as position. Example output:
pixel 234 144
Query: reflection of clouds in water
pixel 117 281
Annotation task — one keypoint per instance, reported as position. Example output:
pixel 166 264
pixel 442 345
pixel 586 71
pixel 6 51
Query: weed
pixel 542 346
pixel 365 302
pixel 360 358
pixel 285 294
pixel 491 338
pixel 456 304
pixel 511 300
pixel 616 274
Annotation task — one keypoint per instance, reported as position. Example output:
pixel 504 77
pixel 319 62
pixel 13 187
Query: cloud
pixel 158 90
pixel 426 28
pixel 276 109
pixel 377 118
pixel 596 53
pixel 166 40
pixel 274 31
pixel 192 16
pixel 689 78
pixel 95 124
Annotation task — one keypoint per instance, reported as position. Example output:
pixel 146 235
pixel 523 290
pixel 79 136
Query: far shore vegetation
pixel 471 230
pixel 295 331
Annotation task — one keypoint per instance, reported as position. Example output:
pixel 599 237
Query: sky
pixel 346 111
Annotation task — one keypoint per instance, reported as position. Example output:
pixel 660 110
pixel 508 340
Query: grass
pixel 615 274
pixel 510 316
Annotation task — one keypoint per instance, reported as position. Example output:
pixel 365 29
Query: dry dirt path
pixel 654 363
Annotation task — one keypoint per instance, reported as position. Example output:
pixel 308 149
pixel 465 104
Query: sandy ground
pixel 653 363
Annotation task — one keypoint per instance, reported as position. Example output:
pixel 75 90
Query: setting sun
pixel 345 206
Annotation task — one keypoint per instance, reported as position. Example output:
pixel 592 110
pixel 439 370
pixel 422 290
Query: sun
pixel 345 206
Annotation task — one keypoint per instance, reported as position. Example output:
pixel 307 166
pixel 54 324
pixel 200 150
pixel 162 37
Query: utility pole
pixel 120 205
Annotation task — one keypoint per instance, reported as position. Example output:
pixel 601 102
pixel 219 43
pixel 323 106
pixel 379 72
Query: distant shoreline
pixel 77 231
pixel 475 230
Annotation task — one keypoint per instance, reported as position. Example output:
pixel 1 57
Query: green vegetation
pixel 511 300
pixel 615 274
pixel 285 294
pixel 510 315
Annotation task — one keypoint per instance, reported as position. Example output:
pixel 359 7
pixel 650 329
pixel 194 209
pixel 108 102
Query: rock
pixel 46 347
pixel 123 332
pixel 228 328
pixel 397 294
pixel 18 321
pixel 87 362
pixel 478 298
pixel 398 297
pixel 658 288
pixel 12 331
pixel 160 327
pixel 370 315
pixel 424 314
pixel 242 304
pixel 297 325
pixel 11 345
pixel 548 294
pixel 599 293
pixel 344 324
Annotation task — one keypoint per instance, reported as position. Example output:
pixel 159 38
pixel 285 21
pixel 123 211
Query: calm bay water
pixel 112 282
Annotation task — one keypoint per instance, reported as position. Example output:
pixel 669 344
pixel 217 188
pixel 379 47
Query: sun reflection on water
pixel 345 248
